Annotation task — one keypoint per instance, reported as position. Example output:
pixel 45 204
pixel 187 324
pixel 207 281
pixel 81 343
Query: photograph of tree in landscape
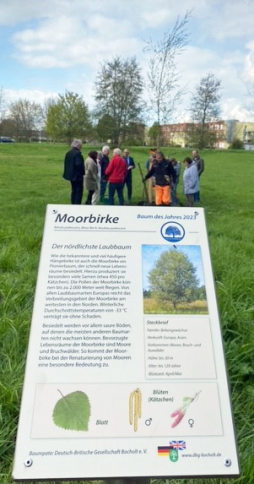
pixel 173 280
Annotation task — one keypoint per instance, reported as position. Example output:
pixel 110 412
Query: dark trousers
pixel 76 192
pixel 112 187
pixel 128 183
pixel 89 197
pixel 190 199
pixel 103 189
pixel 197 197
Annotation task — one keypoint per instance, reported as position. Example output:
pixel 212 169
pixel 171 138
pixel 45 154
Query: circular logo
pixel 172 232
pixel 173 455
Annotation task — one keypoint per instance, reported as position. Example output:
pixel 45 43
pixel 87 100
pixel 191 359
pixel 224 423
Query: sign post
pixel 125 373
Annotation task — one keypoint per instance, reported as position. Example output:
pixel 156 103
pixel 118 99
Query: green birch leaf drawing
pixel 72 412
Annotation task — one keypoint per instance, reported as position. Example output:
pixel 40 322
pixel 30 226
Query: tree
pixel 26 116
pixel 155 134
pixel 197 132
pixel 204 109
pixel 48 103
pixel 106 127
pixel 146 294
pixel 135 134
pixel 118 94
pixel 237 144
pixel 53 124
pixel 68 117
pixel 173 278
pixel 249 105
pixel 7 128
pixel 163 79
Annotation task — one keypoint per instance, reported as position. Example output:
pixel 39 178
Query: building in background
pixel 245 132
pixel 226 131
pixel 176 134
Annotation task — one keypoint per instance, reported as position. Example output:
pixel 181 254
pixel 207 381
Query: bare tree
pixel 27 116
pixel 163 77
pixel 249 107
pixel 205 108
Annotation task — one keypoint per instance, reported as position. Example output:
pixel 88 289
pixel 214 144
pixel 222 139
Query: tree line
pixel 124 101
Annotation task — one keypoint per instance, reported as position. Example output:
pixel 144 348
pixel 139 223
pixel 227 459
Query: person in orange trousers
pixel 164 173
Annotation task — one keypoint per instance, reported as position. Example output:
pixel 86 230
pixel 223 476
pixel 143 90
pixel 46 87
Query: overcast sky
pixel 51 46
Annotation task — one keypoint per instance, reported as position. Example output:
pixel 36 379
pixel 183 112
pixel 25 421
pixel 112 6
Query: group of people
pixel 98 171
pixel 166 175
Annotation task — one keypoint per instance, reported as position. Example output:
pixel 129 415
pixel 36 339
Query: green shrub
pixel 237 144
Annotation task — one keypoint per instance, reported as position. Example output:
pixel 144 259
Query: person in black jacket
pixel 130 166
pixel 164 174
pixel 104 166
pixel 74 170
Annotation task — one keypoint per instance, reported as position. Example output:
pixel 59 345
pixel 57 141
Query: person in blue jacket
pixel 190 180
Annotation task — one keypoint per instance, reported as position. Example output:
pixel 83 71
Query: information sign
pixel 125 372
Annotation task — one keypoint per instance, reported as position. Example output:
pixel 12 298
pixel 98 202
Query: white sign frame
pixel 143 373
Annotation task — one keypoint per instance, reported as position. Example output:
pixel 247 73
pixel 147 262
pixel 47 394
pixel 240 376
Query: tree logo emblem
pixel 172 232
pixel 173 455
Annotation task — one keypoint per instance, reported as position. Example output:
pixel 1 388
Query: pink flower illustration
pixel 180 412
pixel 179 416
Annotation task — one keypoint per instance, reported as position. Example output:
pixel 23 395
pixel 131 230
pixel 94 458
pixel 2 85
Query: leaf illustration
pixel 72 412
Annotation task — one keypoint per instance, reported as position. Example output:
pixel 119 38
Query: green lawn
pixel 153 306
pixel 31 177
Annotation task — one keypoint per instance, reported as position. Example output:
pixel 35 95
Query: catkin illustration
pixel 135 402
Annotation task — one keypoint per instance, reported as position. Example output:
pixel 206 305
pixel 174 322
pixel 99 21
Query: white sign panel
pixel 125 372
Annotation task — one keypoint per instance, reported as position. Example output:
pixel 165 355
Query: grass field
pixel 31 177
pixel 153 306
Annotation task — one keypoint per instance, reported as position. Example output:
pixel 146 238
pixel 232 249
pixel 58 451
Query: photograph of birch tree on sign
pixel 173 281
